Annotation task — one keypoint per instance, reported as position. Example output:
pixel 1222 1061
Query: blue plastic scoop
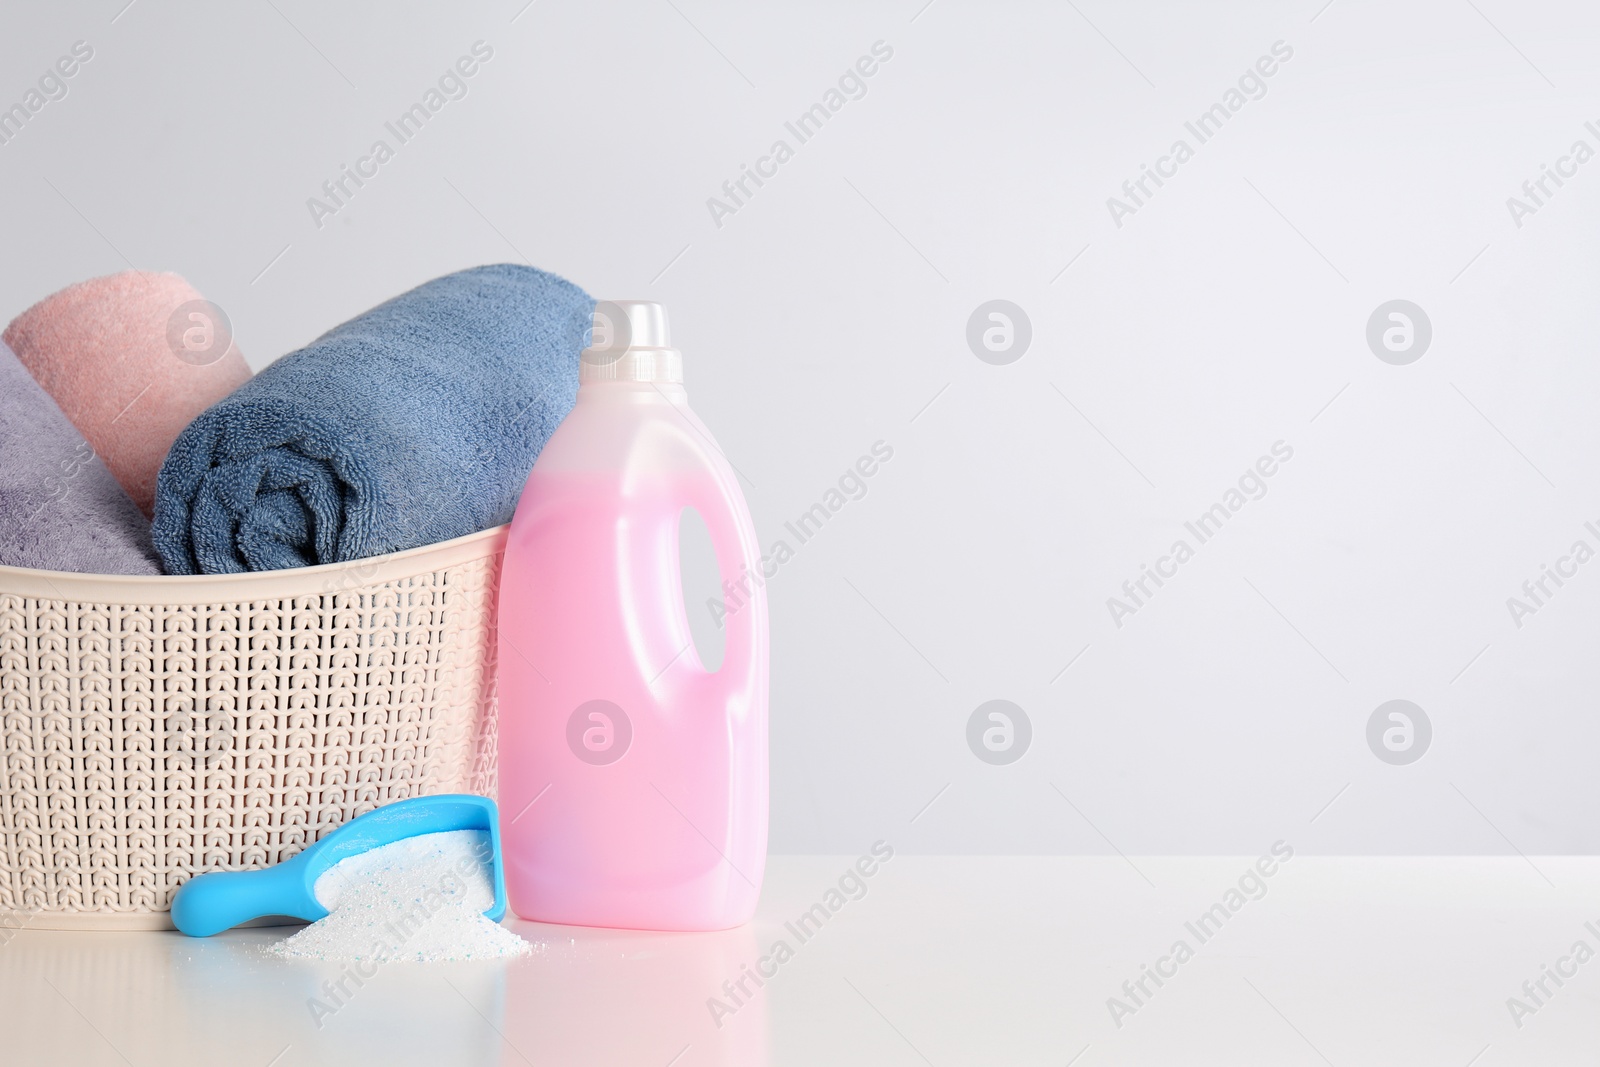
pixel 210 903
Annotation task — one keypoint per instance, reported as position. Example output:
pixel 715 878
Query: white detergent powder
pixel 419 900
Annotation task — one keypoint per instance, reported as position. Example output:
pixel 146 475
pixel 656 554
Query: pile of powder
pixel 418 900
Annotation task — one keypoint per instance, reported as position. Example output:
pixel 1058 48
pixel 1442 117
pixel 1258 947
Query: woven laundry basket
pixel 152 728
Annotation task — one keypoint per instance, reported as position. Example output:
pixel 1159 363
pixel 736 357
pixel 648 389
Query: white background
pixel 831 311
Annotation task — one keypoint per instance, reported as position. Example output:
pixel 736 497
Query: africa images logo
pixel 599 732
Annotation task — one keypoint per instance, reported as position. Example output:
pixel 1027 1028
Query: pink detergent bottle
pixel 633 782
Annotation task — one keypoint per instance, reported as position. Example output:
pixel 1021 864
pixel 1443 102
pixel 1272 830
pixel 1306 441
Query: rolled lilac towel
pixel 131 359
pixel 60 509
pixel 413 423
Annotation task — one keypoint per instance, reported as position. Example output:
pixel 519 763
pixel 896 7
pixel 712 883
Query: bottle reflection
pixel 593 996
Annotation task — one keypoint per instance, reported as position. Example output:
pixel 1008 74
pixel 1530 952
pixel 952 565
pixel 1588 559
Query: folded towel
pixel 411 424
pixel 60 509
pixel 131 359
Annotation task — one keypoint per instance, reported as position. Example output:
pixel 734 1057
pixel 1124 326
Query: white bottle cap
pixel 630 344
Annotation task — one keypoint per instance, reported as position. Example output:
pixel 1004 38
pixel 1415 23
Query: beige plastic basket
pixel 153 728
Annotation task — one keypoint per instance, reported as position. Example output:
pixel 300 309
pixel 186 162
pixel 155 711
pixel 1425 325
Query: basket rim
pixel 198 589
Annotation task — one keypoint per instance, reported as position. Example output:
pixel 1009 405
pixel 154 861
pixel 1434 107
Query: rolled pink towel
pixel 131 359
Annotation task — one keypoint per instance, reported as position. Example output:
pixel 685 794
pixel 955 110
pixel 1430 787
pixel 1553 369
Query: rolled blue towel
pixel 60 508
pixel 411 424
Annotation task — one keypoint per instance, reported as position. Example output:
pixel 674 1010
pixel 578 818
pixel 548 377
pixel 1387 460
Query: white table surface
pixel 1343 961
